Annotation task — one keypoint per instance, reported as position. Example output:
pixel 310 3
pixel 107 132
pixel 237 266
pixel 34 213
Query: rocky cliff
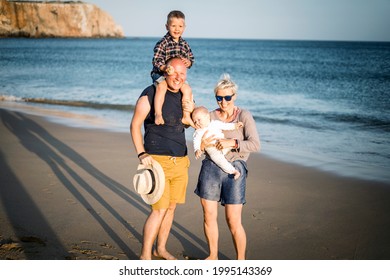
pixel 55 19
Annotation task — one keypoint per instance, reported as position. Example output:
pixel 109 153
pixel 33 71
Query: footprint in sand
pixel 47 190
pixel 33 239
pixel 71 201
pixel 256 215
pixel 274 227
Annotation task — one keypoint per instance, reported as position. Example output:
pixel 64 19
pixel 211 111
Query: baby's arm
pixel 197 138
pixel 198 154
pixel 230 126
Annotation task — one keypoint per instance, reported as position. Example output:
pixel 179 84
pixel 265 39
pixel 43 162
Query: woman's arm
pixel 246 141
pixel 251 141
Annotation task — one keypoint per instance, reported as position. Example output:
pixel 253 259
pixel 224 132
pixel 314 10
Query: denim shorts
pixel 216 185
pixel 157 78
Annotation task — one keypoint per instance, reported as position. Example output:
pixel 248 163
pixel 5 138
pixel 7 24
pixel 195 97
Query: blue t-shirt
pixel 168 139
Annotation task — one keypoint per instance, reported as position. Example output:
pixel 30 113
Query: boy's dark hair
pixel 176 14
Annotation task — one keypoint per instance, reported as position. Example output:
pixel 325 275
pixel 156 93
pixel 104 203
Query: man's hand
pixel 188 105
pixel 145 159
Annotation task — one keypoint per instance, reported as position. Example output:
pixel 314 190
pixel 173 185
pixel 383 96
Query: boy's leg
pixel 187 96
pixel 161 89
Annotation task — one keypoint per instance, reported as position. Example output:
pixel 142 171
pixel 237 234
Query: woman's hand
pixel 225 143
pixel 207 140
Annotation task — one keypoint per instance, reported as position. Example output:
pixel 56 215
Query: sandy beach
pixel 67 193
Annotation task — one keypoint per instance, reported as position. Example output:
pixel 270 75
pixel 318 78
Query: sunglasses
pixel 227 97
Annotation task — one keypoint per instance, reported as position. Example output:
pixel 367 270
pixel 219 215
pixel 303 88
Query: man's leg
pixel 163 234
pixel 150 231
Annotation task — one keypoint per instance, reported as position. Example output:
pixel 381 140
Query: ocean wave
pixel 360 121
pixel 71 103
pixel 329 120
pixel 287 122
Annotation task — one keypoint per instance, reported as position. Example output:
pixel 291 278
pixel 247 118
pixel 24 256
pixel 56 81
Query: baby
pixel 201 119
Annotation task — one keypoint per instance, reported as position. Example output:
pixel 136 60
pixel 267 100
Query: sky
pixel 345 20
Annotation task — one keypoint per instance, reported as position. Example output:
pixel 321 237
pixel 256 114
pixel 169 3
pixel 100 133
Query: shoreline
pixel 67 194
pixel 113 121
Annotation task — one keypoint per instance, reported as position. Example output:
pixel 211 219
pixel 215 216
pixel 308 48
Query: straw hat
pixel 149 182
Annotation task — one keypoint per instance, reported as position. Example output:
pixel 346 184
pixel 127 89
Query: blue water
pixel 320 104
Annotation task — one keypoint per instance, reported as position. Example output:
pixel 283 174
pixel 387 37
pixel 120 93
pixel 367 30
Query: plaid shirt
pixel 167 48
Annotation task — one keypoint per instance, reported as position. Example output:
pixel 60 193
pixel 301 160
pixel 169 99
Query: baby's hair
pixel 226 82
pixel 176 14
pixel 200 109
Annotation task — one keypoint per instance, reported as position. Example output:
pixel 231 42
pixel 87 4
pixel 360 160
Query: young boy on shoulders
pixel 171 45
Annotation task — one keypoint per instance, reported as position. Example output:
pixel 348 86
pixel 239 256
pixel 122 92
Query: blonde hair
pixel 200 109
pixel 224 83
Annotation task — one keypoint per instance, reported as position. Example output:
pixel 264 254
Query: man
pixel 167 145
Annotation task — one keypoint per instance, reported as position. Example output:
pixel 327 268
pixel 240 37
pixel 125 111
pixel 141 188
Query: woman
pixel 214 185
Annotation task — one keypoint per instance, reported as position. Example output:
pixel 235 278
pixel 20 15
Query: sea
pixel 321 104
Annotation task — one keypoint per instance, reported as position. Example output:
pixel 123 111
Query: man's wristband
pixel 141 154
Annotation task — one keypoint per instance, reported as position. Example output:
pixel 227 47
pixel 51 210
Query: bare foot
pixel 164 255
pixel 236 174
pixel 211 258
pixel 158 119
pixel 188 121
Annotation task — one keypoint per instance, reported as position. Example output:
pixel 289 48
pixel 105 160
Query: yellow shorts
pixel 176 180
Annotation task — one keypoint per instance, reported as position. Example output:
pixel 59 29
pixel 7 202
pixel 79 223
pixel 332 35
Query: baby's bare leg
pixel 218 157
pixel 187 96
pixel 159 98
pixel 237 174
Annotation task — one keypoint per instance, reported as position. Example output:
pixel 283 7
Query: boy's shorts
pixel 157 78
pixel 176 180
